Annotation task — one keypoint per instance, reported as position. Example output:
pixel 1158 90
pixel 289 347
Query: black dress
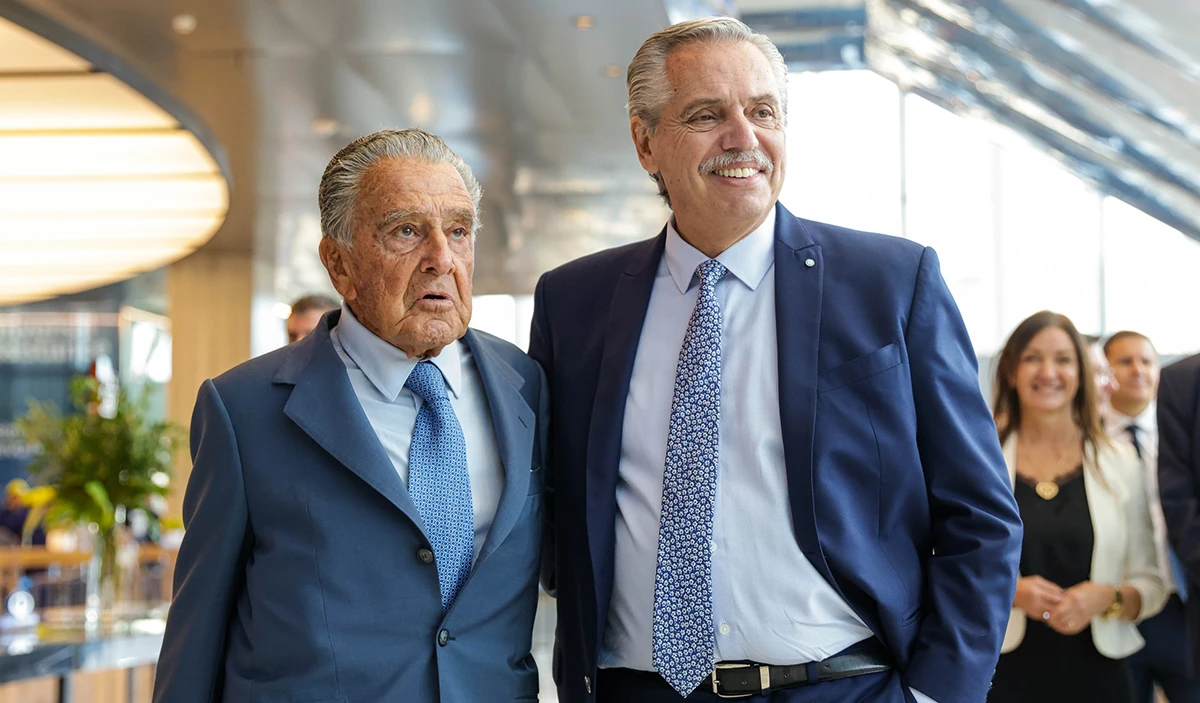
pixel 1049 667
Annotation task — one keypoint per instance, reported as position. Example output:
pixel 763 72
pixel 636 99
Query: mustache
pixel 729 159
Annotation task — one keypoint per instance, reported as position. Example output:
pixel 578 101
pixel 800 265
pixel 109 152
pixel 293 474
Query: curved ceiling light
pixel 97 182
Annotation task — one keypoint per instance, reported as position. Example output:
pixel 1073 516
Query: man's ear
pixel 641 140
pixel 337 262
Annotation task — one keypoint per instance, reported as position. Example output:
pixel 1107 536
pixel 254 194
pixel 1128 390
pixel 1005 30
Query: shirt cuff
pixel 921 697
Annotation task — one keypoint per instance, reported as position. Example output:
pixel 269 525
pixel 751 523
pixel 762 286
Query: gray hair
pixel 647 82
pixel 339 184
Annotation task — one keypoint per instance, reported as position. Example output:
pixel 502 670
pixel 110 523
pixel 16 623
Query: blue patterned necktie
pixel 438 481
pixel 683 625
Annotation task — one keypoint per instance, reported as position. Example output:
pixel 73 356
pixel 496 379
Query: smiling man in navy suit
pixel 364 516
pixel 775 474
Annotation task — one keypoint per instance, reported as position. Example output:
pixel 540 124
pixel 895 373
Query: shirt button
pixel 724 628
pixel 444 637
pixel 587 684
pixel 425 555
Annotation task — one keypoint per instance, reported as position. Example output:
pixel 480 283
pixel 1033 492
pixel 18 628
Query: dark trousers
pixel 630 686
pixel 1163 660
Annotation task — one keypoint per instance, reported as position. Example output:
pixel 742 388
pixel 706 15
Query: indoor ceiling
pixel 531 93
pixel 97 182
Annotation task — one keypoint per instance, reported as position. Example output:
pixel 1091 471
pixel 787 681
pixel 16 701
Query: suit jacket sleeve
pixel 975 526
pixel 541 352
pixel 1177 407
pixel 209 573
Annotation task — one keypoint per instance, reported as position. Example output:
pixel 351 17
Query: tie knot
pixel 426 380
pixel 710 272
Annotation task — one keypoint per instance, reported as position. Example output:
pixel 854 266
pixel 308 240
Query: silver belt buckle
pixel 764 679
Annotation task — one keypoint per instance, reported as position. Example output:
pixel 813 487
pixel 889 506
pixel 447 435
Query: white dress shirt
pixel 1118 425
pixel 378 371
pixel 770 605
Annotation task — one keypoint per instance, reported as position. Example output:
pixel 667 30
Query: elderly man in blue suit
pixel 364 517
pixel 775 475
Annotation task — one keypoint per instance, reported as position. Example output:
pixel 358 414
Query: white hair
pixel 339 184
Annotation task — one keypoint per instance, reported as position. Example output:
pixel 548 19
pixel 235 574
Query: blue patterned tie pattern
pixel 683 625
pixel 438 481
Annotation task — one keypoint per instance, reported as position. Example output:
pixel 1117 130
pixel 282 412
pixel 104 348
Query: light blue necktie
pixel 683 622
pixel 438 481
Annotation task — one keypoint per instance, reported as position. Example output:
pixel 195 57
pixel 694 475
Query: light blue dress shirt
pixel 770 605
pixel 378 371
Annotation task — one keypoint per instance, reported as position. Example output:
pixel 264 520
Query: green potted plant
pixel 100 465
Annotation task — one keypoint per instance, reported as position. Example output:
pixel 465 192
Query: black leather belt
pixel 742 679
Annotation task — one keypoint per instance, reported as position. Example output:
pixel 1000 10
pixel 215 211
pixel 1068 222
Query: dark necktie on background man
pixel 1177 572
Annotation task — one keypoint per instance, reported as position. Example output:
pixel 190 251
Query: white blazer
pixel 1123 551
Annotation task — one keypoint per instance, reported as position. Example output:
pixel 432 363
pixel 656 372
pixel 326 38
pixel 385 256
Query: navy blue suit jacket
pixel 299 578
pixel 899 492
pixel 1179 479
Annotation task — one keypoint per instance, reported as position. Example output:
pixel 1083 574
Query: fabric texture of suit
pixel 299 578
pixel 1123 545
pixel 897 485
pixel 1179 479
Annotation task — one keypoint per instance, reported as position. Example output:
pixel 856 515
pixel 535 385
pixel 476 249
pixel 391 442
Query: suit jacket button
pixel 444 637
pixel 587 684
pixel 425 555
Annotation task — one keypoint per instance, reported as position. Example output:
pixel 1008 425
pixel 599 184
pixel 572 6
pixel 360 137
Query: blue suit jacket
pixel 899 492
pixel 298 578
pixel 1179 479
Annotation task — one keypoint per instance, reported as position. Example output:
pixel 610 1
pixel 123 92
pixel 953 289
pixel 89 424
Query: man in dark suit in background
pixel 306 314
pixel 772 461
pixel 1179 479
pixel 364 515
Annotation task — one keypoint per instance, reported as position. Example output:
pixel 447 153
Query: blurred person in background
pixel 1106 382
pixel 364 515
pixel 1133 418
pixel 1089 568
pixel 306 315
pixel 1179 480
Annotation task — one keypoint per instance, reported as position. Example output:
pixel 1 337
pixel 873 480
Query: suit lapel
pixel 324 405
pixel 798 289
pixel 627 313
pixel 513 422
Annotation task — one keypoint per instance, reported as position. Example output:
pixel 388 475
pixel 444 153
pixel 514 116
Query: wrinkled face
pixel 1047 375
pixel 408 276
pixel 1106 381
pixel 719 145
pixel 1135 366
pixel 300 325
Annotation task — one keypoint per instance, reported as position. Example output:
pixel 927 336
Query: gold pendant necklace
pixel 1046 490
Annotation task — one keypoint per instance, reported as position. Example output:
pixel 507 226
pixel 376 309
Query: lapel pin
pixel 810 262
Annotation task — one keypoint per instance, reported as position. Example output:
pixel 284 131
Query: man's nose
pixel 740 134
pixel 437 257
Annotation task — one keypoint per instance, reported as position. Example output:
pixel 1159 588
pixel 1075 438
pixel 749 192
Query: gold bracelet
pixel 1114 610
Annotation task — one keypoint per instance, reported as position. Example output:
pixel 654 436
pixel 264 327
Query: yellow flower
pixel 29 497
pixel 17 488
pixel 40 496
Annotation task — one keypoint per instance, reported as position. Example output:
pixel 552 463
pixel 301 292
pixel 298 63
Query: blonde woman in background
pixel 1089 569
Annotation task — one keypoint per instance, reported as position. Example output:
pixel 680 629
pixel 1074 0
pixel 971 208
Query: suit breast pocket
pixel 859 368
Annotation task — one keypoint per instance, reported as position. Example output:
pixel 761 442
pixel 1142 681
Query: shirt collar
pixel 387 367
pixel 748 260
pixel 1147 421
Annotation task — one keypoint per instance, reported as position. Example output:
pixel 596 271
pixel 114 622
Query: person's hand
pixel 1079 604
pixel 1037 596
